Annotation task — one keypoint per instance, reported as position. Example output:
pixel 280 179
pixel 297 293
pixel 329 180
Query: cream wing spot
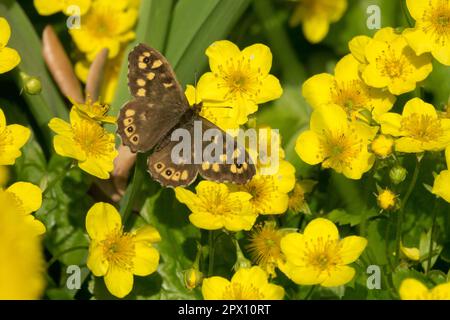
pixel 130 113
pixel 176 176
pixel 158 63
pixel 159 166
pixel 141 92
pixel 130 130
pixel 184 175
pixel 216 167
pixel 205 165
pixel 135 139
pixel 168 85
pixel 142 65
pixel 150 75
pixel 127 121
pixel 140 82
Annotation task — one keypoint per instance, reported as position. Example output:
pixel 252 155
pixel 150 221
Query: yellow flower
pixel 411 253
pixel 382 146
pixel 28 198
pixel 239 78
pixel 432 30
pixel 86 141
pixel 358 44
pixel 12 138
pixel 336 142
pixel 441 186
pixel 117 255
pixel 9 58
pixel 270 192
pixel 412 289
pixel 219 113
pixel 395 66
pixel 419 128
pixel 49 7
pixel 347 90
pixel 386 199
pixel 318 256
pixel 22 264
pixel 107 24
pixel 264 246
pixel 110 77
pixel 316 16
pixel 297 202
pixel 215 207
pixel 246 284
pixel 94 110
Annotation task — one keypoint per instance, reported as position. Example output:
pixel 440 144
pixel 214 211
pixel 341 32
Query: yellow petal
pixel 37 227
pixel 119 281
pixel 260 58
pixel 101 220
pixel 20 135
pixel 418 106
pixel 83 6
pixel 60 127
pixel 146 259
pixel 351 248
pixel 328 117
pixel 357 47
pixel 96 260
pixel 28 194
pixel 211 88
pixel 2 119
pixel 417 8
pixel 292 246
pixel 189 198
pixel 309 148
pixel 441 291
pixel 442 53
pixel 316 89
pixel 321 228
pixel 239 222
pixel 147 234
pixel 408 145
pixel 315 28
pixel 9 59
pixel 411 253
pixel 391 124
pixel 254 275
pixel 418 40
pixel 347 69
pixel 270 90
pixel 412 289
pixel 94 168
pixel 206 220
pixel 213 288
pixel 303 275
pixel 339 276
pixel 273 292
pixel 48 7
pixel 221 51
pixel 441 186
pixel 5 32
pixel 67 147
pixel 386 34
pixel 447 156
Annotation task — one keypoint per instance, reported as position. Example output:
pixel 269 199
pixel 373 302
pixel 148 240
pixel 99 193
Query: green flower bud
pixel 31 85
pixel 192 278
pixel 397 174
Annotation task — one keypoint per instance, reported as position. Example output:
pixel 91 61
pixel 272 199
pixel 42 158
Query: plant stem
pixel 402 207
pixel 60 254
pixel 212 244
pixel 133 188
pixel 433 227
pixel 310 292
pixel 405 13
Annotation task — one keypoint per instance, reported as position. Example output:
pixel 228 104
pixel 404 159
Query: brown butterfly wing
pixel 159 101
pixel 237 170
pixel 163 169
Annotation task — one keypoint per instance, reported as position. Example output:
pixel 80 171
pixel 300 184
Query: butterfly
pixel 158 109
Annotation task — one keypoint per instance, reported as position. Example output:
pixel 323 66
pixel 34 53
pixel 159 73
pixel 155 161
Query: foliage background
pixel 182 30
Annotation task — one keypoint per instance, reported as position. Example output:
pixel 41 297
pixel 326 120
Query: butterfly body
pixel 160 107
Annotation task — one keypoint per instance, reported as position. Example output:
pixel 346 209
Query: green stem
pixel 402 207
pixel 133 189
pixel 60 254
pixel 310 292
pixel 433 227
pixel 406 13
pixel 59 178
pixel 212 245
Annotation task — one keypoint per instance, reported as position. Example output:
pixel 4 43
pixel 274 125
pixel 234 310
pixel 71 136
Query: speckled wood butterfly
pixel 160 107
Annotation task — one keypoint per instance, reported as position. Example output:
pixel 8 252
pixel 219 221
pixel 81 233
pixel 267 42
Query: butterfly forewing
pixel 159 101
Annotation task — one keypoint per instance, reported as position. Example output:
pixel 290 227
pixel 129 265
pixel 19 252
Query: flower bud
pixel 387 200
pixel 397 174
pixel 382 146
pixel 192 278
pixel 31 85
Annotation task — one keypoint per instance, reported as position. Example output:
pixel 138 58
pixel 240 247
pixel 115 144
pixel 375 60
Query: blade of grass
pixel 196 24
pixel 25 40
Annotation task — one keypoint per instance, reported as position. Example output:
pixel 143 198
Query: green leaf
pixel 179 238
pixel 342 217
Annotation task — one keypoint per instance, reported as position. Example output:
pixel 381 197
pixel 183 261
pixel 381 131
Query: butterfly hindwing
pixel 234 165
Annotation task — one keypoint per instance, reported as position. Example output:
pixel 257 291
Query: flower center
pixel 437 21
pixel 239 291
pixel 393 67
pixel 340 149
pixel 102 22
pixel 261 189
pixel 349 95
pixel 92 138
pixel 321 253
pixel 421 127
pixel 118 248
pixel 264 246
